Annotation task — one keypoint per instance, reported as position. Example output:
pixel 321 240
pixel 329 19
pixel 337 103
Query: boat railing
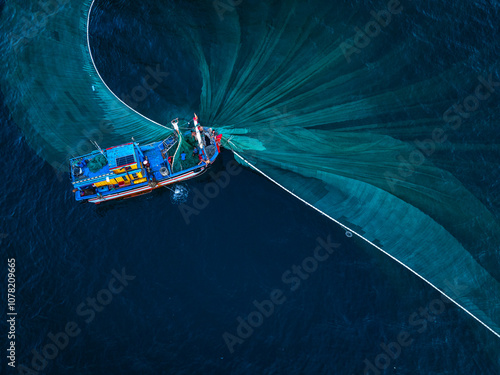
pixel 86 156
pixel 169 142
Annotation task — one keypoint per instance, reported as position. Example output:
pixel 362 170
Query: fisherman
pixel 183 156
pixel 203 160
pixel 147 165
pixel 195 151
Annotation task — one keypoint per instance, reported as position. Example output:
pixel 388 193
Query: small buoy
pixel 348 234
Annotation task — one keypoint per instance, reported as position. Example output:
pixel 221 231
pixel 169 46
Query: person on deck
pixel 202 160
pixel 147 166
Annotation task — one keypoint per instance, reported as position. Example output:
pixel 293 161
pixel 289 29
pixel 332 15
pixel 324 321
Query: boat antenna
pixel 100 150
pixel 175 123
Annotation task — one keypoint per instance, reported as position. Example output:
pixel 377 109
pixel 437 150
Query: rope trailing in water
pixel 371 243
pixel 287 190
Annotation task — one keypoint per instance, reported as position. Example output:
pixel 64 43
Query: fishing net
pixel 373 138
pixel 187 148
pixel 49 83
pixel 370 136
pixel 95 164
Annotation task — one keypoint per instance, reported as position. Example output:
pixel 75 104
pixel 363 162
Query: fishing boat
pixel 133 169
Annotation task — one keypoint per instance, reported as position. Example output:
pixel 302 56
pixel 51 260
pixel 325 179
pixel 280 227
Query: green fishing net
pixel 186 147
pixel 96 163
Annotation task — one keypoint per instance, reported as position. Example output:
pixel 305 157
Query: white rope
pixel 371 243
pixel 281 186
pixel 102 80
pixel 176 150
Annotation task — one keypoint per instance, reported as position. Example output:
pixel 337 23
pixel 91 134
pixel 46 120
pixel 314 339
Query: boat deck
pixel 156 160
pixel 88 174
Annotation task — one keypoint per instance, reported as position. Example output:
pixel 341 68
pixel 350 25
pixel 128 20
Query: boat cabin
pixel 114 168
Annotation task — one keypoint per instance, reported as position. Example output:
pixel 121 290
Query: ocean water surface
pixel 197 271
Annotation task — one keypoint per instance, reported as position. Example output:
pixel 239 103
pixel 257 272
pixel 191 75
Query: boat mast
pixel 175 123
pixel 198 135
pixel 98 148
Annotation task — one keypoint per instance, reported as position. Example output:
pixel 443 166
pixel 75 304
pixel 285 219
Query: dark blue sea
pixel 143 286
